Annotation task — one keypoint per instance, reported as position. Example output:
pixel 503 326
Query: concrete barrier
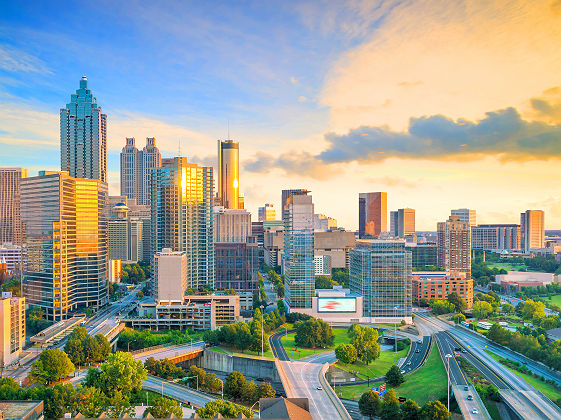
pixel 343 413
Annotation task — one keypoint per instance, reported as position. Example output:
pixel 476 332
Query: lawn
pixel 555 300
pixel 287 342
pixel 377 368
pixel 547 389
pixel 509 266
pixel 425 384
pixel 234 352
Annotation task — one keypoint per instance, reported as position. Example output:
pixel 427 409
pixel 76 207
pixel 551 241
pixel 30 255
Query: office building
pixel 11 229
pixel 12 328
pixel 266 213
pixel 335 244
pixel 125 240
pixel 454 246
pixel 465 215
pixel 380 271
pixel 237 264
pixel 83 136
pixel 229 174
pixel 197 312
pixel 170 275
pixel 394 224
pixel 495 237
pixel 273 247
pixel 14 256
pixel 372 214
pixel 136 167
pixel 115 267
pixel 298 267
pixel 402 223
pixel 322 264
pixel 231 225
pixel 286 194
pixel 423 255
pixel 532 230
pixel 323 223
pixel 66 228
pixel 430 285
pixel 182 217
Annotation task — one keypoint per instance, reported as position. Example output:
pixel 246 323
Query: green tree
pixel 369 404
pixel 507 309
pixel 346 353
pixel 313 333
pixel 53 365
pixel 394 377
pixel 481 309
pixel 163 407
pixel 212 383
pixel 280 306
pixel 234 385
pixel 324 282
pixel 439 307
pixel 265 390
pixel 390 409
pixel 120 373
pixel 226 409
pixel 459 318
pixel 459 303
pixel 75 351
pixel 194 373
pixel 434 410
pixel 365 341
pixel 410 410
pixel 91 402
pixel 243 337
pixel 249 392
pixel 119 405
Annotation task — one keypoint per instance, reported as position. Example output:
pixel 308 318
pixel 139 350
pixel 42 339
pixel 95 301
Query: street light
pixel 448 357
pixel 262 331
pixel 395 329
pixel 195 376
pixel 251 408
pixel 222 393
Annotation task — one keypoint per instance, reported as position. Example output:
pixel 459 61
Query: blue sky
pixel 452 97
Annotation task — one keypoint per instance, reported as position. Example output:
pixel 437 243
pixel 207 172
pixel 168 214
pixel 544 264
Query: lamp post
pixel 395 329
pixel 251 408
pixel 448 357
pixel 194 376
pixel 262 331
pixel 222 392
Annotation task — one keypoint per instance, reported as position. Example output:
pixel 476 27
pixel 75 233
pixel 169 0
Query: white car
pixel 319 388
pixel 474 411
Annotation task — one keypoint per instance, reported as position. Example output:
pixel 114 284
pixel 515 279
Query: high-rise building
pixel 394 224
pixel 11 230
pixel 229 174
pixel 532 229
pixel 495 237
pixel 125 240
pixel 372 214
pixel 12 328
pixel 286 194
pixel 299 267
pixel 170 275
pixel 335 244
pixel 323 223
pixel 83 136
pixel 465 215
pixel 182 216
pixel 237 264
pixel 402 223
pixel 15 257
pixel 231 225
pixel 454 246
pixel 423 255
pixel 266 213
pixel 136 167
pixel 66 228
pixel 380 271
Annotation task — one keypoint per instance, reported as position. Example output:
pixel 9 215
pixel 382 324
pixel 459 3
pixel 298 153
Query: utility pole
pixel 448 357
pixel 262 331
pixel 395 330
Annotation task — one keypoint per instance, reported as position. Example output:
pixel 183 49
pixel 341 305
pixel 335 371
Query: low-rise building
pixel 336 305
pixel 12 328
pixel 439 284
pixel 21 410
pixel 516 280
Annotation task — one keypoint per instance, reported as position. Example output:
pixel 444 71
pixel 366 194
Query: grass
pixel 555 300
pixel 218 350
pixel 234 352
pixel 510 266
pixel 287 342
pixel 425 384
pixel 378 368
pixel 547 389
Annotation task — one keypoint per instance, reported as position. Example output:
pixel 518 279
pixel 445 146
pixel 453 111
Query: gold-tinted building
pixel 532 229
pixel 229 174
pixel 10 222
pixel 66 225
pixel 12 328
pixel 372 214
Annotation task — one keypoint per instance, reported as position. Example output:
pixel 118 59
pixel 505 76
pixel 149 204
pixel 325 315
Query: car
pixel 474 411
pixel 470 397
pixel 417 351
pixel 260 379
pixel 408 363
pixel 319 388
pixel 466 388
pixel 402 372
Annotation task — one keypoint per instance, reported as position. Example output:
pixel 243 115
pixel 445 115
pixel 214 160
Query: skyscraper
pixel 182 216
pixel 454 246
pixel 11 229
pixel 83 136
pixel 231 225
pixel 66 228
pixel 286 194
pixel 380 271
pixel 532 229
pixel 266 213
pixel 394 224
pixel 372 214
pixel 136 167
pixel 299 267
pixel 402 223
pixel 229 174
pixel 465 215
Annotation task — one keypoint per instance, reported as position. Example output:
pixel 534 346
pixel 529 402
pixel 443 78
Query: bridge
pixel 175 354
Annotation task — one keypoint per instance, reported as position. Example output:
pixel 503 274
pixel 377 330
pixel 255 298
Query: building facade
pixel 136 168
pixel 229 174
pixel 380 271
pixel 170 276
pixel 322 264
pixel 465 215
pixel 335 244
pixel 323 223
pixel 83 136
pixel 298 267
pixel 273 247
pixel 372 214
pixel 430 285
pixel 15 257
pixel 402 223
pixel 231 225
pixel 532 230
pixel 495 237
pixel 423 255
pixel 454 246
pixel 237 265
pixel 12 328
pixel 66 228
pixel 266 213
pixel 11 229
pixel 182 217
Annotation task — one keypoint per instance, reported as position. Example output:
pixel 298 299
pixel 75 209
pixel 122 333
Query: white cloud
pixel 15 60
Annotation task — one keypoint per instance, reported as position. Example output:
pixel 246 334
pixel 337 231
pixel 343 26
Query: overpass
pixel 175 354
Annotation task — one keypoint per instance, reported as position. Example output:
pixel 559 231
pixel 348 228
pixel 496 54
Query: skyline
pixel 325 117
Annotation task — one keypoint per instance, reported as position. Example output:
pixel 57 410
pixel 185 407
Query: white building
pixel 322 265
pixel 170 275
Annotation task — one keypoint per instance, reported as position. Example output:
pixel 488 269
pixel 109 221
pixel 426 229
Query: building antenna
pixel 179 147
pixel 228 129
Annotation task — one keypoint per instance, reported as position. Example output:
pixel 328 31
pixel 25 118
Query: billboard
pixel 337 304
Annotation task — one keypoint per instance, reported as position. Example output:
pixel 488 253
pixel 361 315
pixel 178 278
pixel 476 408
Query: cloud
pixel 293 80
pixel 15 60
pixel 548 106
pixel 502 133
pixel 393 181
pixel 302 99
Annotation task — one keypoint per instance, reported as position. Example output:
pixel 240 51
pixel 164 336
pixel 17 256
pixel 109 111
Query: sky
pixel 443 104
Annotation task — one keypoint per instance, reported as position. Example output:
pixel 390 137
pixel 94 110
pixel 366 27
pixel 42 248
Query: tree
pixel 434 410
pixel 197 372
pixel 499 334
pixel 225 408
pixel 233 387
pixel 390 409
pixel 120 373
pixel 249 392
pixel 410 410
pixel 459 318
pixel 243 336
pixel 481 309
pixel 163 407
pixel 507 308
pixel 53 365
pixel 346 353
pixel 324 282
pixel 439 307
pixel 369 404
pixel 533 309
pixel 365 341
pixel 394 377
pixel 119 405
pixel 90 402
pixel 313 333
pixel 212 383
pixel 265 390
pixel 281 307
pixel 459 303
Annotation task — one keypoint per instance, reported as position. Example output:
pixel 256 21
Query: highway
pixel 522 397
pixel 169 352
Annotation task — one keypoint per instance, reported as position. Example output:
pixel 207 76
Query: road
pixel 271 294
pixel 169 352
pixel 525 400
pixel 511 299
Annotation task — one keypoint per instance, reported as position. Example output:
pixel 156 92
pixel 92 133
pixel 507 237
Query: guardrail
pixel 343 413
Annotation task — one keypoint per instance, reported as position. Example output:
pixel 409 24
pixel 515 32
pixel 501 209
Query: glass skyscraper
pixel 10 222
pixel 66 227
pixel 380 270
pixel 83 136
pixel 299 267
pixel 182 216
pixel 136 169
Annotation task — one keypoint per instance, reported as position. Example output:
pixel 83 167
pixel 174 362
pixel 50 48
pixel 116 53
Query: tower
pixel 229 174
